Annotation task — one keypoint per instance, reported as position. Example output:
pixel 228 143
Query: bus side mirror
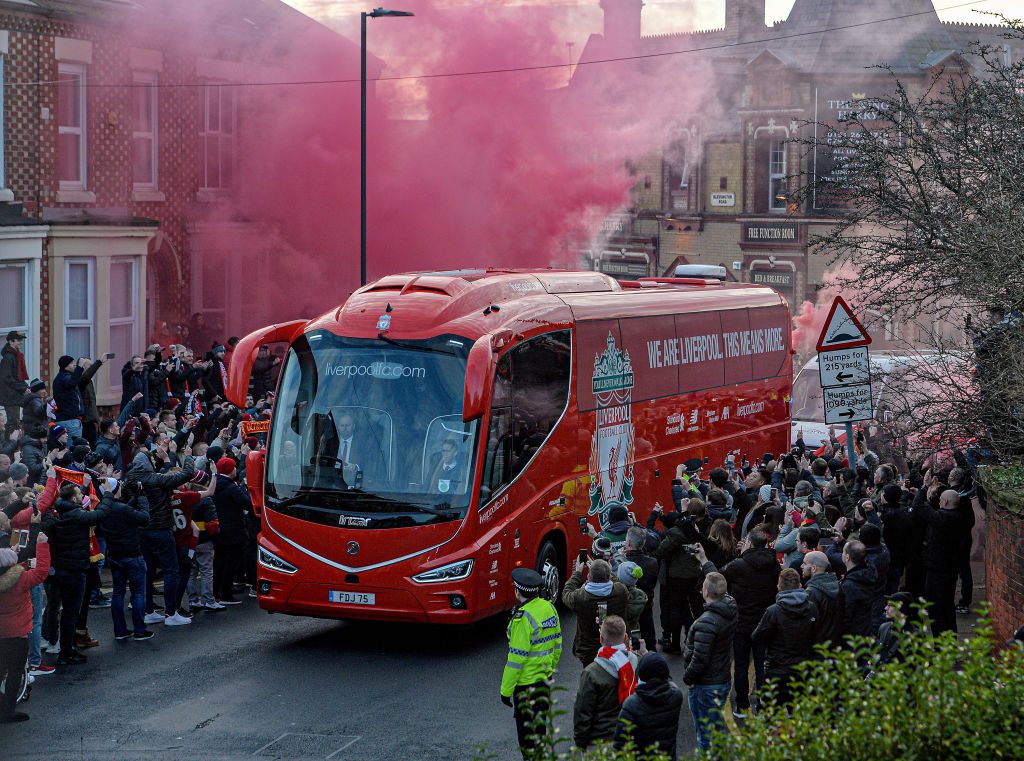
pixel 245 355
pixel 479 369
pixel 254 464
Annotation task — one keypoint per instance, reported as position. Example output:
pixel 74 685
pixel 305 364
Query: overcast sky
pixel 660 16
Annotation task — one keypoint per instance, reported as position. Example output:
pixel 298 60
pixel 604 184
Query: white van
pixel 888 368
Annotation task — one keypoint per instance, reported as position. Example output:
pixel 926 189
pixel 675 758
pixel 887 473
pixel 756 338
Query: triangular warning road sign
pixel 842 329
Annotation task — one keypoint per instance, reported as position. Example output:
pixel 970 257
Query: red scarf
pixel 22 367
pixel 619 658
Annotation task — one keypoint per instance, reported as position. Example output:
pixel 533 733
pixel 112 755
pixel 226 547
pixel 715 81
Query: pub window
pixel 531 390
pixel 777 195
pixel 677 165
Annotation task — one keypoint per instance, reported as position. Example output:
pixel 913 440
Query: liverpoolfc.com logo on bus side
pixel 387 370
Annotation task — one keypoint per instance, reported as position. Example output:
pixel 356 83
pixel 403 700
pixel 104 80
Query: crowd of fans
pixel 153 497
pixel 761 563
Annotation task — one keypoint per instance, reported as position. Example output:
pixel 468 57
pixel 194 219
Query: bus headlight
pixel 269 560
pixel 450 572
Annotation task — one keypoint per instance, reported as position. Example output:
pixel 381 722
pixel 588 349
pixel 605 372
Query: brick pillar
pixel 1004 569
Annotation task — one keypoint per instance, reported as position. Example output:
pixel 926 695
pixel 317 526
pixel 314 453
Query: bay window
pixel 15 300
pixel 79 307
pixel 124 314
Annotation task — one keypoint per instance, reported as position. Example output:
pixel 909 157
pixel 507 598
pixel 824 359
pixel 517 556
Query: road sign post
pixel 844 368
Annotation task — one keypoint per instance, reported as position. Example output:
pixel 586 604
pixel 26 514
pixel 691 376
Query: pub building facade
pixel 720 192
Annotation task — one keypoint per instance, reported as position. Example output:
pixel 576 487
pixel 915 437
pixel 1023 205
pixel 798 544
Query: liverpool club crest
pixel 611 450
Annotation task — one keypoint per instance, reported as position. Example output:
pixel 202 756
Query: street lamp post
pixel 375 13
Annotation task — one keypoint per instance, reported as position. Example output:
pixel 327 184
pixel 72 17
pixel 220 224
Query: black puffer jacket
pixel 897 533
pixel 33 412
pixel 827 594
pixel 69 538
pixel 32 454
pixel 682 564
pixel 650 718
pixel 946 531
pixel 860 587
pixel 233 504
pixel 707 655
pixel 121 526
pixel 66 395
pixel 788 631
pixel 158 488
pixel 753 581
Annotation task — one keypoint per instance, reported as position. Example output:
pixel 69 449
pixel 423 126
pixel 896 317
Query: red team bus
pixel 441 429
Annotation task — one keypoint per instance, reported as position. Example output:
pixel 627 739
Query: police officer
pixel 534 647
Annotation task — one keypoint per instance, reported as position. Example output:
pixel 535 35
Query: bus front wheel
pixel 549 565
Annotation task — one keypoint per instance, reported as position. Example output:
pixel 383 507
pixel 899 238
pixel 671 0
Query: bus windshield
pixel 369 433
pixel 808 402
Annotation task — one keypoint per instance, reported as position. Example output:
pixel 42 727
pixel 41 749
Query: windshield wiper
pixel 415 347
pixel 300 495
pixel 432 510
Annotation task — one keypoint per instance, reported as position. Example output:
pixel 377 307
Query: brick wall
pixel 1004 570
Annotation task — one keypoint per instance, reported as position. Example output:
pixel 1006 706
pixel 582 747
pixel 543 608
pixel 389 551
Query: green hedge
pixel 945 700
pixel 1004 484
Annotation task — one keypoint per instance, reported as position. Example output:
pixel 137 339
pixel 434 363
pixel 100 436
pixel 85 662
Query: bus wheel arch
pixel 551 564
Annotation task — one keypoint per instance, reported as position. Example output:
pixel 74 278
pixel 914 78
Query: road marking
pixel 346 745
pixel 276 739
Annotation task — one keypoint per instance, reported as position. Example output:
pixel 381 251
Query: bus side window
pixel 540 392
pixel 499 453
pixel 531 391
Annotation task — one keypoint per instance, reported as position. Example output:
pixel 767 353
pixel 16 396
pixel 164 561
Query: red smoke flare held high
pixel 508 169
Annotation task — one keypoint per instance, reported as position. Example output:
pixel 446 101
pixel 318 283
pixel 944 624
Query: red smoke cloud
pixel 809 319
pixel 505 169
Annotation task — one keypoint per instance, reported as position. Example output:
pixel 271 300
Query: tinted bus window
pixel 531 390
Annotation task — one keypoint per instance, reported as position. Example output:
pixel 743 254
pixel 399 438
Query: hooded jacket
pixel 158 488
pixel 860 588
pixel 597 706
pixel 121 526
pixel 827 595
pixel 15 601
pixel 753 581
pixel 69 540
pixel 584 603
pixel 707 655
pixel 788 631
pixel 650 718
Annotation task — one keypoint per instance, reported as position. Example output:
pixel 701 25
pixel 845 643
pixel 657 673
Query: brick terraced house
pixel 120 136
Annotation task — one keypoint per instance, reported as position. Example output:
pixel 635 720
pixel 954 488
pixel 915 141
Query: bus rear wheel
pixel 549 565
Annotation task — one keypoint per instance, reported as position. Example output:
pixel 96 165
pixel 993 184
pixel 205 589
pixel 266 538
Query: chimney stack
pixel 622 22
pixel 744 19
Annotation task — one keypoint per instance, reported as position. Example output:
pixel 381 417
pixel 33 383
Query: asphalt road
pixel 243 684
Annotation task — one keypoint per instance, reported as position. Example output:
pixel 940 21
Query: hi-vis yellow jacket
pixel 534 645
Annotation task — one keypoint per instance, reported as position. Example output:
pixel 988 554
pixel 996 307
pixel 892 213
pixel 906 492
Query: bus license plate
pixel 353 598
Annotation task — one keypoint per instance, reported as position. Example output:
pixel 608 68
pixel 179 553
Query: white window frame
pixel 148 80
pixel 776 147
pixel 90 321
pixel 133 319
pixel 216 88
pixel 77 69
pixel 26 327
